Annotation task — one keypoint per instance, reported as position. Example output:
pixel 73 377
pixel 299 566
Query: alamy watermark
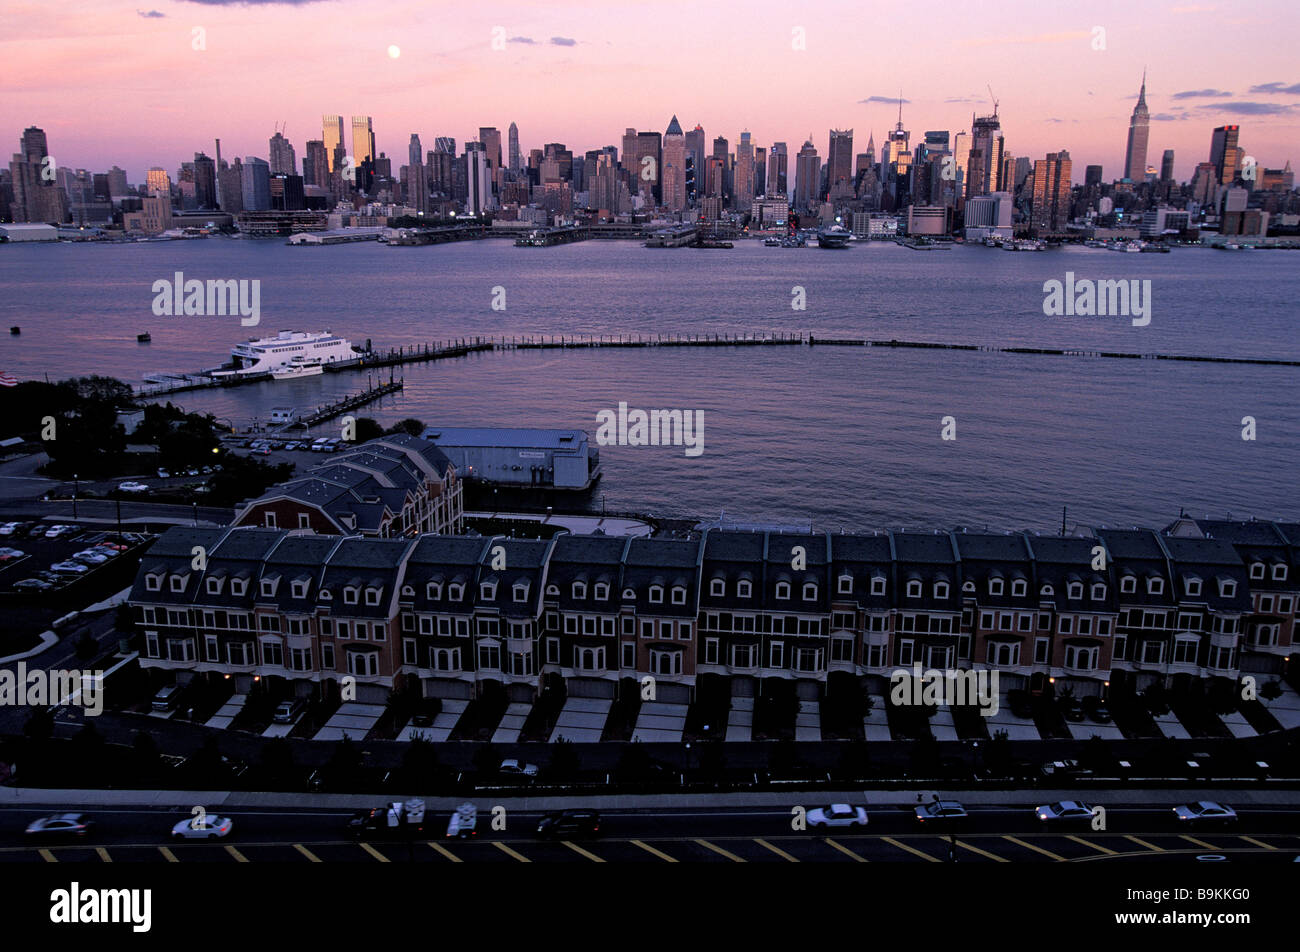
pixel 1086 298
pixel 624 427
pixel 950 687
pixel 47 688
pixel 213 298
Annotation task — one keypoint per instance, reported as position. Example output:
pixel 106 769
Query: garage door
pixel 441 687
pixel 672 693
pixel 590 687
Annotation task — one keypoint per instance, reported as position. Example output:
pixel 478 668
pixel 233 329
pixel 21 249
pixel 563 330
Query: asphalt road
pixel 1007 833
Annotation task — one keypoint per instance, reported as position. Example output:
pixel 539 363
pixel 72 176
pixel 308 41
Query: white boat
pixel 271 354
pixel 299 367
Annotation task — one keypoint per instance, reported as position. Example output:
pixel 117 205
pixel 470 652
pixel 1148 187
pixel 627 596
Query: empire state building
pixel 1139 129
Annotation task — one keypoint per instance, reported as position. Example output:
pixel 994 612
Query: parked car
pixel 106 549
pixel 192 471
pixel 1058 769
pixel 203 827
pixel 34 585
pixel 1205 812
pixel 131 486
pixel 837 814
pixel 69 568
pixel 940 812
pixel 168 698
pixel 89 557
pixel 287 712
pixel 8 554
pixel 37 530
pixel 1019 702
pixel 516 769
pixel 58 532
pixel 8 528
pixel 568 823
pixel 1096 709
pixel 164 474
pixel 1070 709
pixel 1064 810
pixel 395 819
pixel 60 825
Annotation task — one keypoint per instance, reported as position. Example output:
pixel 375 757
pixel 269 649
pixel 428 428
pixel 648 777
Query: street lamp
pixel 76 488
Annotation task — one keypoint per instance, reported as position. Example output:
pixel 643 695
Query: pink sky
pixel 112 86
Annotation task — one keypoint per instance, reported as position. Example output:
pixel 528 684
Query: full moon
pixel 394 52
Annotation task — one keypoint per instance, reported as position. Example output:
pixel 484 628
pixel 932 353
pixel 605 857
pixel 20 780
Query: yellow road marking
pixel 581 852
pixel 779 852
pixel 239 857
pixel 168 854
pixel 985 853
pixel 911 849
pixel 48 856
pixel 1036 849
pixel 650 849
pixel 1256 842
pixel 720 851
pixel 509 852
pixel 1196 842
pixel 1145 845
pixel 845 850
pixel 445 852
pixel 306 852
pixel 103 854
pixel 1096 846
pixel 373 852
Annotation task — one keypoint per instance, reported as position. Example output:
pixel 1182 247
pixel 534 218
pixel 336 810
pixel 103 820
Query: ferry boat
pixel 299 367
pixel 837 236
pixel 269 354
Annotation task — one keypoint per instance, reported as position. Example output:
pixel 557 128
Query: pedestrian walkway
pixel 353 720
pixel 660 721
pixel 876 724
pixel 1237 724
pixel 579 525
pixel 225 716
pixel 740 719
pixel 582 719
pixel 1169 726
pixel 440 729
pixel 512 722
pixel 808 722
pixel 941 725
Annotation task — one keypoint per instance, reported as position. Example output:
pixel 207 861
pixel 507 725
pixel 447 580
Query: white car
pixel 8 528
pixel 515 767
pixel 163 474
pixel 941 810
pixel 837 814
pixel 53 532
pixel 69 568
pixel 205 827
pixel 90 557
pixel 7 553
pixel 1205 811
pixel 1064 810
pixel 132 486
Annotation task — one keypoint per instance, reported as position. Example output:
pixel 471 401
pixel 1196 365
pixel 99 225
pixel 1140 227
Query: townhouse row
pixel 445 615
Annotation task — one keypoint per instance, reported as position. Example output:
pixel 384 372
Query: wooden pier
pixel 332 410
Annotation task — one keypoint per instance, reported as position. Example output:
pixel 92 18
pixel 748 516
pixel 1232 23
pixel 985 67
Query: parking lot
pixel 33 561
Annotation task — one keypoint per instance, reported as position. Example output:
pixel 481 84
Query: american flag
pixel 7 379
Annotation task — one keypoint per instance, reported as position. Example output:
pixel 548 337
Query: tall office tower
pixel 696 155
pixel 230 187
pixel 807 177
pixel 714 181
pixel 286 193
pixel 778 164
pixel 316 164
pixel 283 160
pixel 1167 166
pixel 649 164
pixel 156 180
pixel 1204 182
pixel 444 144
pixel 1139 129
pixel 256 183
pixel 117 182
pixel 602 193
pixel 1092 175
pixel 490 136
pixel 363 141
pixel 1051 195
pixel 516 157
pixel 673 182
pixel 478 186
pixel 986 136
pixel 1007 177
pixel 760 171
pixel 839 165
pixel 1023 167
pixel 1224 153
pixel 563 159
pixel 439 164
pixel 743 195
pixel 332 136
pixel 205 181
pixel 417 177
pixel 960 158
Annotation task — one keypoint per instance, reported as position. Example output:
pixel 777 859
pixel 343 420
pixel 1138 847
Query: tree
pixel 564 760
pixel 410 425
pixel 1270 690
pixel 368 429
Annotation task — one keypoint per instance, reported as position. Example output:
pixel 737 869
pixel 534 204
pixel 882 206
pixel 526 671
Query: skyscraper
pixel 839 165
pixel 156 180
pixel 316 164
pixel 695 156
pixel 516 158
pixel 674 170
pixel 1167 166
pixel 478 187
pixel 332 136
pixel 490 136
pixel 283 161
pixel 986 137
pixel 417 179
pixel 363 141
pixel 1224 153
pixel 256 182
pixel 1135 156
pixel 37 196
pixel 807 177
pixel 1050 209
pixel 743 195
pixel 205 181
pixel 777 168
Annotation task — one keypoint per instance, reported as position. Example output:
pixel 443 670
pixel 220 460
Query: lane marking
pixel 1256 842
pixel 720 851
pixel 445 852
pixel 581 852
pixel 1036 849
pixel 509 852
pixel 374 852
pixel 1147 846
pixel 48 856
pixel 911 849
pixel 168 854
pixel 1195 842
pixel 984 853
pixel 1096 846
pixel 845 850
pixel 779 852
pixel 103 854
pixel 306 852
pixel 239 857
pixel 650 849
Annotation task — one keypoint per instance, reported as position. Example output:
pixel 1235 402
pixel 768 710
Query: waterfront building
pixel 205 181
pixel 315 164
pixel 1050 204
pixel 929 220
pixel 983 169
pixel 743 192
pixel 490 136
pixel 988 216
pixel 516 158
pixel 778 159
pixel 1139 129
pixel 256 185
pixel 511 457
pixel 839 165
pixel 154 217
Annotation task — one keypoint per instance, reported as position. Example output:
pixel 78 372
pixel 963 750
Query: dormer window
pixel 1227 588
pixel 1155 586
pixel 456 592
pixel 521 591
pixel 810 592
pixel 153 582
pixel 1018 588
pixel 213 586
pixel 1279 572
pixel 238 586
pixel 914 589
pixel 717 587
pixel 350 594
pixel 1128 585
pixel 878 585
pixel 178 582
pixel 679 595
pixel 940 589
pixel 487 591
pixel 1047 591
pixel 1192 585
pixel 1257 570
pixel 968 586
pixel 268 587
pixel 995 586
pixel 656 594
pixel 300 589
pixel 372 595
pixel 629 594
pixel 579 589
pixel 552 591
pixel 408 591
pixel 1098 592
pixel 1074 591
pixel 845 585
pixel 782 590
pixel 602 591
pixel 744 588
pixel 325 595
pixel 433 591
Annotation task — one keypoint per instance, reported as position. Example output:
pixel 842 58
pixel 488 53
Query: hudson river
pixel 841 436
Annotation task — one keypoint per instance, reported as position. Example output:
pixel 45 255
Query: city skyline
pixel 92 101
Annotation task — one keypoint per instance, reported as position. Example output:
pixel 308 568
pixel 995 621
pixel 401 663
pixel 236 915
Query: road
pixel 1005 833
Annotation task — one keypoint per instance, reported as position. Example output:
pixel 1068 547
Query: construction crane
pixel 995 101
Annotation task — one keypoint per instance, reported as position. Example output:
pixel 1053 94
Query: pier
pixel 406 237
pixel 545 237
pixel 328 412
